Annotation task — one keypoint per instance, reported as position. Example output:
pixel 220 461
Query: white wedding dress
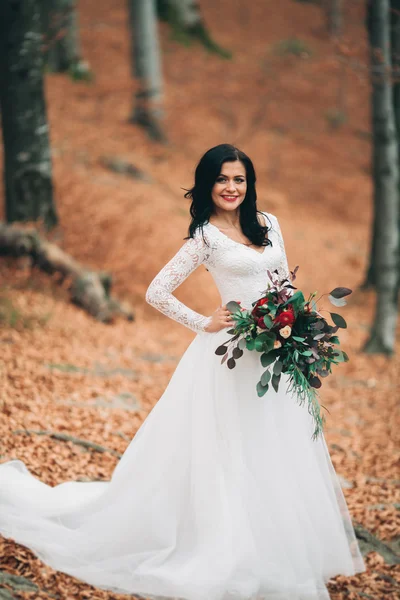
pixel 221 495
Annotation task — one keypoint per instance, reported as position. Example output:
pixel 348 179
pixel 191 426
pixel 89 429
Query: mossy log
pixel 89 289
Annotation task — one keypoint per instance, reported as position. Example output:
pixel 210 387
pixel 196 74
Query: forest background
pixel 293 91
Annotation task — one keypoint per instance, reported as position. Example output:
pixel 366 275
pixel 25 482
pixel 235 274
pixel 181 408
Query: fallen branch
pixel 370 543
pixel 88 289
pixel 123 167
pixel 65 437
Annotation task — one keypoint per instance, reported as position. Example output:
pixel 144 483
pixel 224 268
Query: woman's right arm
pixel 159 293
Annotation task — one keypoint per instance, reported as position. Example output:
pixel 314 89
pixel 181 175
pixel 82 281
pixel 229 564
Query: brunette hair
pixel 202 206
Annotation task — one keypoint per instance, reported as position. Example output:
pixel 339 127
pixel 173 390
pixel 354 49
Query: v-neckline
pixel 235 242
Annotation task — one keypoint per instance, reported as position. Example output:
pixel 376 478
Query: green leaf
pixel 242 344
pixel 338 320
pixel 275 381
pixel 278 367
pixel 298 339
pixel 268 321
pixel 265 377
pixel 297 300
pixel 233 306
pixel 267 358
pixel 250 344
pixel 262 389
pixel 345 356
pixel 306 353
pixel 334 340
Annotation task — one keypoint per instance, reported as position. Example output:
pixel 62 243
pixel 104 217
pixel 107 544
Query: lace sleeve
pixel 283 267
pixel 159 293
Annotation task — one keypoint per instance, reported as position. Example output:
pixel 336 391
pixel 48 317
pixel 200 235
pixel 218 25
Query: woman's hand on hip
pixel 221 319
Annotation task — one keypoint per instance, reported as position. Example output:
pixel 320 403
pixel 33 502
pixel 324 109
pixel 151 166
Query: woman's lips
pixel 230 198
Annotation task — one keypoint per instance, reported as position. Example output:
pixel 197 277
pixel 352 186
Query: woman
pixel 221 495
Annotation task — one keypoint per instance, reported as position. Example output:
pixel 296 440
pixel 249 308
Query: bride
pixel 221 495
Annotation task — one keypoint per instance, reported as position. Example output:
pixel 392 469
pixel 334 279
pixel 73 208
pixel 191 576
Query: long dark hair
pixel 202 206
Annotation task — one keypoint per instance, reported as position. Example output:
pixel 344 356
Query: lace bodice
pixel 239 271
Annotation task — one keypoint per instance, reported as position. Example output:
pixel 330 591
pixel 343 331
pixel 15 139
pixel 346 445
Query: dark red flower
pixel 285 317
pixel 256 310
pixel 260 323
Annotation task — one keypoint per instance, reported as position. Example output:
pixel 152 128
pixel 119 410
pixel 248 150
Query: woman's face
pixel 229 189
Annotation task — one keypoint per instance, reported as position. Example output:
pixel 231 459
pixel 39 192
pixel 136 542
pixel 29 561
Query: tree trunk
pixel 386 181
pixel 395 51
pixel 60 26
pixel 187 23
pixel 27 157
pixel 334 16
pixel 146 67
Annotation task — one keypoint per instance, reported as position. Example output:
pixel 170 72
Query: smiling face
pixel 230 187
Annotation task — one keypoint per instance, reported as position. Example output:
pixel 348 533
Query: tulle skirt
pixel 221 495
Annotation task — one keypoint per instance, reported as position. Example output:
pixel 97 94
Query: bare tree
pixel 27 158
pixel 146 67
pixel 62 47
pixel 334 16
pixel 386 180
pixel 187 23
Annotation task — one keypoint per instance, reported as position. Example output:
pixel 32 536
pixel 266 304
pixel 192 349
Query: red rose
pixel 260 323
pixel 285 317
pixel 256 310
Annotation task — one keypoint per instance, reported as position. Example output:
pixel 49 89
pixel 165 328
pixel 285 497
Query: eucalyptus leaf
pixel 224 358
pixel 231 363
pixel 262 389
pixel 337 301
pixel 340 292
pixel 338 320
pixel 265 377
pixel 275 381
pixel 267 358
pixel 298 339
pixel 315 382
pixel 319 336
pixel 237 352
pixel 278 367
pixel 250 344
pixel 242 344
pixel 221 350
pixel 233 306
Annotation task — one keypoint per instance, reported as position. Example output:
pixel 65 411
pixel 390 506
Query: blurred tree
pixel 27 157
pixel 146 67
pixel 334 16
pixel 385 167
pixel 187 23
pixel 60 26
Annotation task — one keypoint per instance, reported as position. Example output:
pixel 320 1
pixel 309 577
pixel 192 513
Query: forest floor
pixel 63 372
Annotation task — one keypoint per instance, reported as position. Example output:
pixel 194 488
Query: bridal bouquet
pixel 292 337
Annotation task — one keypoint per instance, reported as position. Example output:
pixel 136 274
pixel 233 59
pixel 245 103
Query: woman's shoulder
pixel 270 219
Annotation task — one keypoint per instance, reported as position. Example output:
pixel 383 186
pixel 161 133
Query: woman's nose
pixel 230 186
